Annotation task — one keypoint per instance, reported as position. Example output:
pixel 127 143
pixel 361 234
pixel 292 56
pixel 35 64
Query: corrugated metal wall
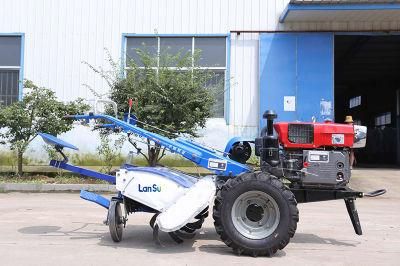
pixel 60 34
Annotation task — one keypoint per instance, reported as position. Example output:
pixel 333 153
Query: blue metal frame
pixel 21 67
pixel 82 171
pixel 96 198
pixel 202 156
pixel 228 59
pixel 336 7
pixel 228 80
pixel 174 35
pixel 123 55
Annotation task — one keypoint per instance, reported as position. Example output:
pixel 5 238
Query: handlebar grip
pixel 375 193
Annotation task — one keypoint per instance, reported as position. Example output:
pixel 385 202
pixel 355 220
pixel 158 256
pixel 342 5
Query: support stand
pixel 352 210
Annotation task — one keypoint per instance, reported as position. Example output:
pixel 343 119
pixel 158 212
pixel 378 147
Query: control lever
pixel 375 193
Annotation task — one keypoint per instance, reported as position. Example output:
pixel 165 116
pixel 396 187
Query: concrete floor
pixel 62 229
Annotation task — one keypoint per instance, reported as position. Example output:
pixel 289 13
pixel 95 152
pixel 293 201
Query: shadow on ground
pixel 80 232
pixel 141 237
pixel 303 238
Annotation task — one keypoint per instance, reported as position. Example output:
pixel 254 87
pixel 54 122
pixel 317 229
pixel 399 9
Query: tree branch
pixel 30 140
pixel 139 150
pixel 32 116
pixel 162 155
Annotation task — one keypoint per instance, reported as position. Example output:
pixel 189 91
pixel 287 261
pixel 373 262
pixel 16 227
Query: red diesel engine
pixel 308 154
pixel 314 135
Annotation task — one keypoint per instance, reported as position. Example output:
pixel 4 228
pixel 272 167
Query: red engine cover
pixel 314 135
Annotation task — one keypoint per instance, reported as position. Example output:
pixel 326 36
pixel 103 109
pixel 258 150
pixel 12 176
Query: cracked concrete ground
pixel 62 229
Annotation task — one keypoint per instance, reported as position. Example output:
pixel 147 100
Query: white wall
pixel 60 34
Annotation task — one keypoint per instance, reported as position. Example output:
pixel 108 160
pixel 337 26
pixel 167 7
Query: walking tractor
pixel 255 210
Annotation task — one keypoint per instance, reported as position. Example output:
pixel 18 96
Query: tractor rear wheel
pixel 255 214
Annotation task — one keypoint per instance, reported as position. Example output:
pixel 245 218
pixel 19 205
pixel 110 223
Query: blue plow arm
pixel 96 198
pixel 82 171
pixel 202 156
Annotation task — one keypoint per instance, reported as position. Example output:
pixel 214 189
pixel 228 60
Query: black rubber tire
pixel 257 181
pixel 115 223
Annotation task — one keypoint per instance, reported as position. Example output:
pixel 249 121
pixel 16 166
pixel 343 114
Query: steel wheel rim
pixel 118 220
pixel 255 214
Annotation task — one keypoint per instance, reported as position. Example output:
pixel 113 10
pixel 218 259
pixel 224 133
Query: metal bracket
pixel 96 198
pixel 82 171
pixel 60 150
pixel 352 210
pixel 317 194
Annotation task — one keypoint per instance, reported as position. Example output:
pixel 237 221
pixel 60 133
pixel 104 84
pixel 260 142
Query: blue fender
pixel 233 141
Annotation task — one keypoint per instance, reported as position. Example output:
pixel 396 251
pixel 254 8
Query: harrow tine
pixel 184 235
pixel 175 237
pixel 197 224
pixel 202 214
pixel 188 229
pixel 156 239
pixel 153 220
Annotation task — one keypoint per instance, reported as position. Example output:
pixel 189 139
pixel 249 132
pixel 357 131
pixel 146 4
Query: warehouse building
pixel 308 60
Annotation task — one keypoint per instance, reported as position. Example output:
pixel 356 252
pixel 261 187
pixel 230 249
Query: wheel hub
pixel 255 214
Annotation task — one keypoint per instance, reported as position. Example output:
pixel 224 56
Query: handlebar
pixel 375 193
pixel 114 105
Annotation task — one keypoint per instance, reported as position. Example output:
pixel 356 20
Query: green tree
pixel 109 151
pixel 170 101
pixel 38 111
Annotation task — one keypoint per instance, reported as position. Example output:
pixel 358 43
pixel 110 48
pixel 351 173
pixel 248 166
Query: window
pixel 10 66
pixel 355 101
pixel 383 119
pixel 149 45
pixel 213 58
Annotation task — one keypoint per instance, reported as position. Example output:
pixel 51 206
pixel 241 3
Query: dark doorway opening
pixel 367 87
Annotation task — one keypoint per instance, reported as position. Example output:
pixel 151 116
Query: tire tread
pixel 273 181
